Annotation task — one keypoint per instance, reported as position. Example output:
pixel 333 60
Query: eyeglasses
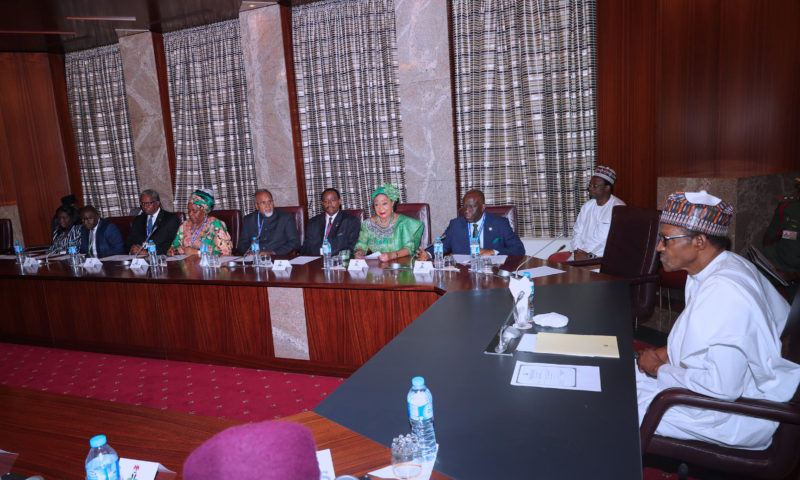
pixel 596 185
pixel 664 239
pixel 146 204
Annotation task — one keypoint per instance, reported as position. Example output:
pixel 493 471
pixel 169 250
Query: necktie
pixel 149 224
pixel 474 230
pixel 328 228
pixel 91 243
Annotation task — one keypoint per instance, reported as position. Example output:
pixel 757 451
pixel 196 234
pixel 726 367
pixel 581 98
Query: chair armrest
pixel 585 263
pixel 787 412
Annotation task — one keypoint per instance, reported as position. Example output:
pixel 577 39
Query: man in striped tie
pixel 153 223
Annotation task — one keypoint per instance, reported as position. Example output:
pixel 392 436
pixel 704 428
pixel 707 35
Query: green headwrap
pixel 202 199
pixel 389 190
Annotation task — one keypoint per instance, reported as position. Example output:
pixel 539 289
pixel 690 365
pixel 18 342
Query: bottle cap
pixel 97 441
pixel 418 381
pixel 526 274
pixel 253 239
pixel 438 238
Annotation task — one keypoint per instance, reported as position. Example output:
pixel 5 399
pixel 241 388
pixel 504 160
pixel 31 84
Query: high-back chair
pixel 233 221
pixel 123 223
pixel 422 212
pixel 6 236
pixel 507 211
pixel 358 213
pixel 777 461
pixel 299 213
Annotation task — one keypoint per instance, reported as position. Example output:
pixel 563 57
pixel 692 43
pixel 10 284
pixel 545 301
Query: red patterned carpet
pixel 235 393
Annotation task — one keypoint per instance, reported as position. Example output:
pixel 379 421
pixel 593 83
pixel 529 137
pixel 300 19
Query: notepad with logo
pixel 579 345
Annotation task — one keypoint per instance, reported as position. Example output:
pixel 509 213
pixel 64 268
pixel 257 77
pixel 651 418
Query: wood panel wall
pixel 33 156
pixel 697 89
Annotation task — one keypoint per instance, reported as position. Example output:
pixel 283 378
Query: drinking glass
pixel 344 256
pixel 449 261
pixel 486 265
pixel 405 456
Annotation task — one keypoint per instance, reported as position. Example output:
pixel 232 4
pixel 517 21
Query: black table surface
pixel 485 427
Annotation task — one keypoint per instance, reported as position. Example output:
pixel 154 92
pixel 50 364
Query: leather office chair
pixel 299 213
pixel 507 211
pixel 233 220
pixel 123 223
pixel 777 461
pixel 358 213
pixel 422 212
pixel 6 236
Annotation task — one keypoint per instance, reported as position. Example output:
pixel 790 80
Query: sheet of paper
pixel 228 258
pixel 564 377
pixel 527 343
pixel 325 462
pixel 175 258
pixel 578 345
pixel 373 255
pixel 140 469
pixel 499 259
pixel 116 258
pixel 302 260
pixel 462 259
pixel 541 271
pixel 8 257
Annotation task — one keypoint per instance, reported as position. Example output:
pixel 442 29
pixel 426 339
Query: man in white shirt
pixel 726 342
pixel 590 231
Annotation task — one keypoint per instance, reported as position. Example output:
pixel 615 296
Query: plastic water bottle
pixel 255 247
pixel 102 463
pixel 152 255
pixel 475 255
pixel 326 255
pixel 72 250
pixel 438 254
pixel 420 415
pixel 530 306
pixel 18 252
pixel 204 255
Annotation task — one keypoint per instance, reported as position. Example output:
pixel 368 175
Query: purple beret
pixel 256 451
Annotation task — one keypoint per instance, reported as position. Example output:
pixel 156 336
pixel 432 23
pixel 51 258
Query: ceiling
pixel 39 25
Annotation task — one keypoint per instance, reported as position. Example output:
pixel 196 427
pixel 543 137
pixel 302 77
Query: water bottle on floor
pixel 102 463
pixel 420 415
pixel 438 254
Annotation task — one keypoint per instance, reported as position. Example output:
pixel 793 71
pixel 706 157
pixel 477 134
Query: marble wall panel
pixel 288 316
pixel 268 101
pixel 426 107
pixel 146 117
pixel 12 212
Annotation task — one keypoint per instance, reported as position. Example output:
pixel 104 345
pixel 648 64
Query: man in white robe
pixel 725 344
pixel 590 231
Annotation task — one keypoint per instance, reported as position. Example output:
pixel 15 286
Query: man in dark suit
pixel 161 225
pixel 494 233
pixel 339 227
pixel 99 238
pixel 275 229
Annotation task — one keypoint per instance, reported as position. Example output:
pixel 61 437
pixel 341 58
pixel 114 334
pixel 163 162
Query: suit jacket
pixel 497 235
pixel 343 235
pixel 165 228
pixel 278 235
pixel 107 240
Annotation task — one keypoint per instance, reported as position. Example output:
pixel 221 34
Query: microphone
pixel 516 272
pixel 145 241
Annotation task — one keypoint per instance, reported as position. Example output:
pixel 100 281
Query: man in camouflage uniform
pixel 781 242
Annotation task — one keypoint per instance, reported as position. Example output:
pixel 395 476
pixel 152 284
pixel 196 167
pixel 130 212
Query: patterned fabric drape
pixel 525 106
pixel 345 58
pixel 210 119
pixel 99 112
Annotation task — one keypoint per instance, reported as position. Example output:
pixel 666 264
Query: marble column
pixel 426 107
pixel 268 102
pixel 146 116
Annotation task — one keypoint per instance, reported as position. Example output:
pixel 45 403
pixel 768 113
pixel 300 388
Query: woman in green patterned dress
pixel 201 228
pixel 388 232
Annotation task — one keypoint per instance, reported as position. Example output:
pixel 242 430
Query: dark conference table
pixel 225 316
pixel 487 428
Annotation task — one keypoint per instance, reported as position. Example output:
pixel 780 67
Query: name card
pixel 281 265
pixel 31 262
pixel 139 264
pixel 92 262
pixel 423 267
pixel 357 265
pixel 139 469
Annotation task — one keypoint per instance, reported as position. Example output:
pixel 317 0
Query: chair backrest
pixel 792 330
pixel 123 223
pixel 631 252
pixel 507 211
pixel 233 221
pixel 358 213
pixel 6 236
pixel 422 212
pixel 299 213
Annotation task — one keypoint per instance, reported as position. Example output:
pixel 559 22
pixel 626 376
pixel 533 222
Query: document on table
pixel 302 260
pixel 373 255
pixel 465 259
pixel 325 462
pixel 117 258
pixel 579 345
pixel 564 377
pixel 541 271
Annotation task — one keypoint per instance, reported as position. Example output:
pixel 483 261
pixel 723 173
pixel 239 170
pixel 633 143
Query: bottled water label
pixel 420 412
pixel 151 248
pixel 72 250
pixel 17 249
pixel 437 248
pixel 97 471
pixel 474 249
